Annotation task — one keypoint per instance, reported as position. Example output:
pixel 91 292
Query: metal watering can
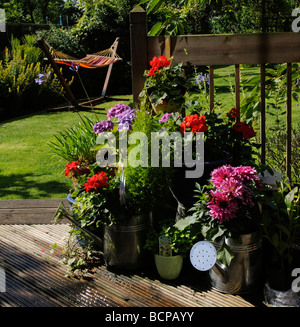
pixel 244 272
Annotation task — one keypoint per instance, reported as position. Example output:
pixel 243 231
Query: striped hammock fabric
pixel 95 60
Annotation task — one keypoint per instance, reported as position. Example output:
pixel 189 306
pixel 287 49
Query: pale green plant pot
pixel 159 108
pixel 168 267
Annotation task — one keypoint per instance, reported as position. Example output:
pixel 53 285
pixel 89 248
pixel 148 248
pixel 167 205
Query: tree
pixel 219 16
pixel 36 11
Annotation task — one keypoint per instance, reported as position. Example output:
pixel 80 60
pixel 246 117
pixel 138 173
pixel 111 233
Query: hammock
pixel 96 60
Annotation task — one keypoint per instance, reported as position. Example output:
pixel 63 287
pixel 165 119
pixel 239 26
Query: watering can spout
pixel 62 212
pixel 221 270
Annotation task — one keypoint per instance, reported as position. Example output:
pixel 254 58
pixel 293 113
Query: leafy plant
pixel 281 223
pixel 165 84
pixel 181 240
pixel 226 207
pixel 146 186
pixel 76 143
pixel 63 40
pixel 276 149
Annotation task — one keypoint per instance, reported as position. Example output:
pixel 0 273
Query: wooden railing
pixel 210 50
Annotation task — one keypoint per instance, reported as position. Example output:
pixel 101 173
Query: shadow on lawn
pixel 24 186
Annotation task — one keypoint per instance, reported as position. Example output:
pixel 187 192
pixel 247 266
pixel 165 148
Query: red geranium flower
pixel 233 113
pixel 71 166
pixel 194 124
pixel 157 63
pixel 97 181
pixel 246 130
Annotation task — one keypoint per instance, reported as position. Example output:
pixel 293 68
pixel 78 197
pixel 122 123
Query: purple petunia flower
pixel 103 126
pixel 74 66
pixel 42 78
pixel 202 78
pixel 165 117
pixel 126 119
pixel 117 110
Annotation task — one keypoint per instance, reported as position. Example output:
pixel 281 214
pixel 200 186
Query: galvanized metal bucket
pixel 244 272
pixel 124 243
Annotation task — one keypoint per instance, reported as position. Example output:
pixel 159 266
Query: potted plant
pixel 75 147
pixel 281 230
pixel 225 142
pixel 115 201
pixel 227 214
pixel 165 85
pixel 169 246
pixel 144 191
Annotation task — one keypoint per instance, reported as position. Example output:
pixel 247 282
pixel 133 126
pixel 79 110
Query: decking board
pixel 35 277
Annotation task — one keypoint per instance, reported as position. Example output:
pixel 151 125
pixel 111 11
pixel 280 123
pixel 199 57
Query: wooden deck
pixel 35 277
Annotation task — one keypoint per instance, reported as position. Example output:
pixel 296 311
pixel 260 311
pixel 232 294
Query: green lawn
pixel 28 168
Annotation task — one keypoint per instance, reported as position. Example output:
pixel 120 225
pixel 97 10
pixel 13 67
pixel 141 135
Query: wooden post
pixel 114 48
pixel 138 45
pixel 69 94
pixel 263 112
pixel 237 90
pixel 168 46
pixel 211 89
pixel 289 121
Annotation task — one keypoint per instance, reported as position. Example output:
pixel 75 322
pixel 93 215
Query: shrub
pixel 19 69
pixel 63 40
pixel 276 151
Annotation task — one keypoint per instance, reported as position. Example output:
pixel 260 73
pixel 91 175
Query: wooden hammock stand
pixel 92 61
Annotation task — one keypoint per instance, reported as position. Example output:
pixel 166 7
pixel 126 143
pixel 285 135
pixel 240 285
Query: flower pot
pixel 275 298
pixel 244 272
pixel 124 243
pixel 168 267
pixel 71 201
pixel 184 187
pixel 159 108
pixel 81 241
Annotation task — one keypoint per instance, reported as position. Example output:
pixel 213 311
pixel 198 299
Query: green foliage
pixel 276 150
pixel 146 186
pixel 76 143
pixel 280 220
pixel 20 66
pixel 64 40
pixel 78 260
pixel 19 70
pixel 166 85
pixel 181 240
pixel 36 11
pixel 17 76
pixel 214 230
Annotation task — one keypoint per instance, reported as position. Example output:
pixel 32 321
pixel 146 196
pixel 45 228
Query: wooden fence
pixel 211 50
